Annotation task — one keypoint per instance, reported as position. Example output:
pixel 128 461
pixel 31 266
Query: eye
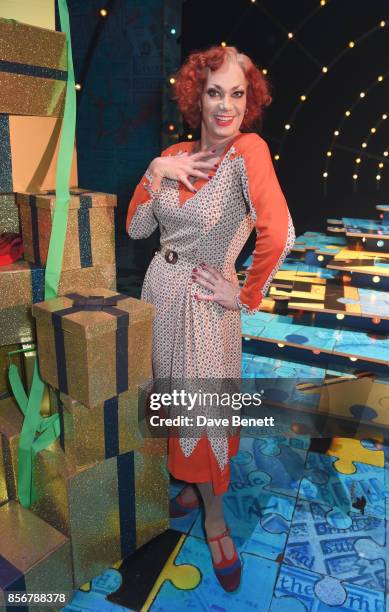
pixel 240 94
pixel 212 92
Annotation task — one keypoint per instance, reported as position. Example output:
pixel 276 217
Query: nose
pixel 226 103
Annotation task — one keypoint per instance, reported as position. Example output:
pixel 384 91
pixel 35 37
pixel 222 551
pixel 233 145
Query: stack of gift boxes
pixel 101 488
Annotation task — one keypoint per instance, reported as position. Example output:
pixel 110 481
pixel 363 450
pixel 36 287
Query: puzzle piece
pixel 361 493
pixel 314 545
pixel 208 595
pixel 349 451
pixel 319 594
pixel 95 598
pixel 372 552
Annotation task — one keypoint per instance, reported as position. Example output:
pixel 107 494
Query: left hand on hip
pixel 224 291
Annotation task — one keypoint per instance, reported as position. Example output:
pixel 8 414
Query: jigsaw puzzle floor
pixel 311 530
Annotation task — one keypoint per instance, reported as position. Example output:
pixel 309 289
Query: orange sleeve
pixel 271 217
pixel 141 222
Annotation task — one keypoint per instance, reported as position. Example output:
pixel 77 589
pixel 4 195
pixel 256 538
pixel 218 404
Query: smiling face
pixel 223 102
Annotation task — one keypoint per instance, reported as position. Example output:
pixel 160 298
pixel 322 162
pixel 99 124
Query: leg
pixel 214 521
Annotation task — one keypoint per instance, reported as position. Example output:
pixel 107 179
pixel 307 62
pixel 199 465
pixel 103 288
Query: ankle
pixel 188 494
pixel 214 527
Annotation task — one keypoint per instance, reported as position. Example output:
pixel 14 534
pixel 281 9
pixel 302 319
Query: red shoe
pixel 228 571
pixel 179 508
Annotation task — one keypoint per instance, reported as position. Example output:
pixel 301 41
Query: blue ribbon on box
pixel 94 303
pixel 42 72
pixel 84 230
pixel 11 579
pixel 127 510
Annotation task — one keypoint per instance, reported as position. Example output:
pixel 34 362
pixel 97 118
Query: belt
pixel 170 255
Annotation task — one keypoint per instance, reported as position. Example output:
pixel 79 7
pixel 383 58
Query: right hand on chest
pixel 182 166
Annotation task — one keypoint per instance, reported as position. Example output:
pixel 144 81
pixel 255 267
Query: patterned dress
pixel 197 339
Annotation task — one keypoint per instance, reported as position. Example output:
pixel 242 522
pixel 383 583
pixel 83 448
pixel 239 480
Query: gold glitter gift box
pixel 95 344
pixel 33 70
pixel 34 557
pixel 5 362
pixel 108 510
pixel 90 234
pixel 21 284
pixel 9 213
pixel 11 420
pixel 106 430
pixel 35 12
pixel 29 153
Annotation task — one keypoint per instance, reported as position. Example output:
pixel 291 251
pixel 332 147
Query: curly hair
pixel 189 83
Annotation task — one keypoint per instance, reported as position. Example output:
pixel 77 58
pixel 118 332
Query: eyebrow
pixel 218 86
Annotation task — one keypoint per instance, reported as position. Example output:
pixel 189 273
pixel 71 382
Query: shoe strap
pixel 225 533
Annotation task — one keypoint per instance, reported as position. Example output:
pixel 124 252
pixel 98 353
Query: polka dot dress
pixel 195 340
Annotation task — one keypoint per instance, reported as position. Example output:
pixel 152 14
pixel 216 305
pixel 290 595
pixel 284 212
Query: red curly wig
pixel 190 79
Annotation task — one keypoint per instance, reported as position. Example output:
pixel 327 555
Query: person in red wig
pixel 206 196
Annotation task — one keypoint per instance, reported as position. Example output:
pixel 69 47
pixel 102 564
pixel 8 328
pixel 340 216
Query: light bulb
pixel 103 12
pixel 325 174
pixel 324 69
pixel 351 44
pixel 172 80
pixel 336 133
pixel 347 113
pixel 287 126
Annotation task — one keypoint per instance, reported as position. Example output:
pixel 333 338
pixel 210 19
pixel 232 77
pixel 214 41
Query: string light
pixel 380 78
pixel 223 43
pixel 322 2
pixel 376 279
pixel 290 34
pixel 303 98
pixel 78 86
pixel 351 44
pixel 171 127
pixel 347 113
pixel 382 24
pixel 355 176
pixel 189 136
pixel 385 153
pixel 373 130
pixel 329 153
pixel 287 126
pixel 324 69
pixel 264 70
pixel 362 94
pixel 381 165
pixel 378 177
pixel 384 116
pixel 325 174
pixel 336 133
pixel 358 160
pixel 172 80
pixel 364 145
pixel 276 157
pixel 103 12
pixel 173 31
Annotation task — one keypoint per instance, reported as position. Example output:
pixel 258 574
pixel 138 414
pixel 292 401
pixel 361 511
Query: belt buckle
pixel 171 256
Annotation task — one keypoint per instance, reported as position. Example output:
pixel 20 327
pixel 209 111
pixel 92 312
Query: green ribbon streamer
pixel 47 429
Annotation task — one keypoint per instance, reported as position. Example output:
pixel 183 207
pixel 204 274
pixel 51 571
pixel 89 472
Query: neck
pixel 209 142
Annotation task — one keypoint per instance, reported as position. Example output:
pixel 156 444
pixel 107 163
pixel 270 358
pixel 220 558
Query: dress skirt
pixel 200 342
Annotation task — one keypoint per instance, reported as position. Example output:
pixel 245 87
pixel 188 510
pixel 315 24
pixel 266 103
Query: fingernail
pixel 213 151
pixel 194 270
pixel 215 165
pixel 209 176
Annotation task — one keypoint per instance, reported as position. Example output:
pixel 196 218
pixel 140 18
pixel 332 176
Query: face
pixel 224 101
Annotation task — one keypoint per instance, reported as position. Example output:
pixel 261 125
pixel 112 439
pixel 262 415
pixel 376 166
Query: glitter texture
pixel 102 508
pixel 90 346
pixel 9 213
pixel 89 434
pixel 90 235
pixel 16 322
pixel 5 362
pixel 11 420
pixel 34 550
pixel 32 70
